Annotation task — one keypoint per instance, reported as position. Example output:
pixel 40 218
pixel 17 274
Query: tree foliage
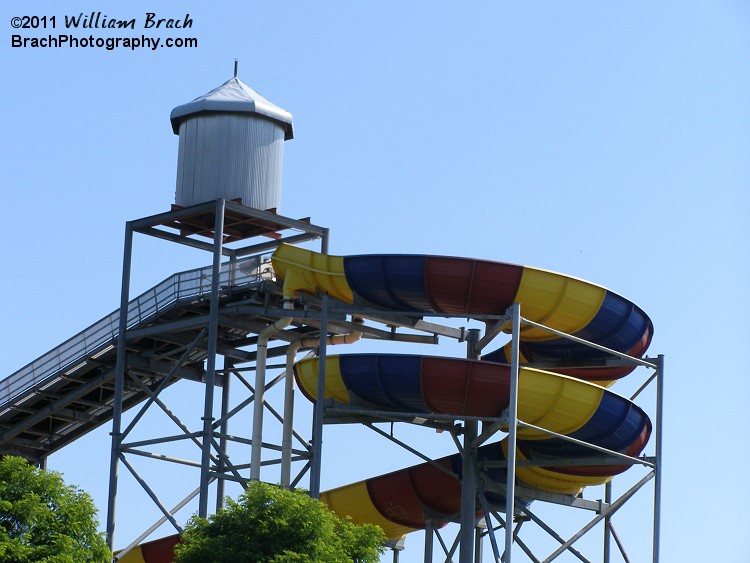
pixel 268 524
pixel 44 520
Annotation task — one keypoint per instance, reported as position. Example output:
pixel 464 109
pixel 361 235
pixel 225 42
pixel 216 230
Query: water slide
pixel 573 401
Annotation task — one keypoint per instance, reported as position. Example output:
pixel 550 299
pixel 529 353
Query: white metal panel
pixel 230 156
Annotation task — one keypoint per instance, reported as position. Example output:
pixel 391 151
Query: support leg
pixel 119 385
pixel 225 396
pixel 213 337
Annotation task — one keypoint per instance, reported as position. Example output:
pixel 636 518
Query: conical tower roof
pixel 234 96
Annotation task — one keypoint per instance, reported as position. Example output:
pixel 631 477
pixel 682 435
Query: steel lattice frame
pixel 327 316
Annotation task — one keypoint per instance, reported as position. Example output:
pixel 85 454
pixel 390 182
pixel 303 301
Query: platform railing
pixel 99 337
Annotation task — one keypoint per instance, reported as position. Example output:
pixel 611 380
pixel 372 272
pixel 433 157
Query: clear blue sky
pixel 606 140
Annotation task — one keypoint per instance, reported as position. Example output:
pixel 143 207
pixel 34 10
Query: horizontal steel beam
pixel 44 412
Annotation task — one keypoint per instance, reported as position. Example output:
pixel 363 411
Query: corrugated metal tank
pixel 231 147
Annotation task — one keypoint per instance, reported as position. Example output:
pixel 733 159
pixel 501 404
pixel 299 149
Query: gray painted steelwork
pixel 231 147
pixel 213 336
pixel 319 408
pixel 212 352
pixel 58 382
pixel 468 472
pixel 659 448
pixel 50 388
pixel 510 484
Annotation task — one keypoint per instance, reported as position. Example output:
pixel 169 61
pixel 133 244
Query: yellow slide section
pixel 552 481
pixel 354 501
pixel 562 302
pixel 555 402
pixel 133 556
pixel 304 270
pixel 307 377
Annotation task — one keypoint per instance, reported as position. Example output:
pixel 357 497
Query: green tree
pixel 268 524
pixel 44 520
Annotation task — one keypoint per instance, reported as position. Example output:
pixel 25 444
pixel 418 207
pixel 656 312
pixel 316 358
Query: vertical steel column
pixel 213 337
pixel 317 433
pixel 607 535
pixel 429 540
pixel 287 429
pixel 468 494
pixel 119 383
pixel 468 473
pixel 220 484
pixel 225 397
pixel 478 545
pixel 659 446
pixel 510 484
pixel 259 392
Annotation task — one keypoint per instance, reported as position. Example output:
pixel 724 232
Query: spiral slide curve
pixel 572 401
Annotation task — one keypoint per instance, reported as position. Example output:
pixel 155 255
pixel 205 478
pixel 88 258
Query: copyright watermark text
pixel 92 30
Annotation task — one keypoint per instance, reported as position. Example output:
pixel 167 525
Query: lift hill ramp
pixel 69 390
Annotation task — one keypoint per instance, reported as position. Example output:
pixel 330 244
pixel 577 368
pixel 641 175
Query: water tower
pixel 231 147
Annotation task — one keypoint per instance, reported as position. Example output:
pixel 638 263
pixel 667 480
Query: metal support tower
pixel 604 509
pixel 468 543
pixel 200 336
pixel 238 325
